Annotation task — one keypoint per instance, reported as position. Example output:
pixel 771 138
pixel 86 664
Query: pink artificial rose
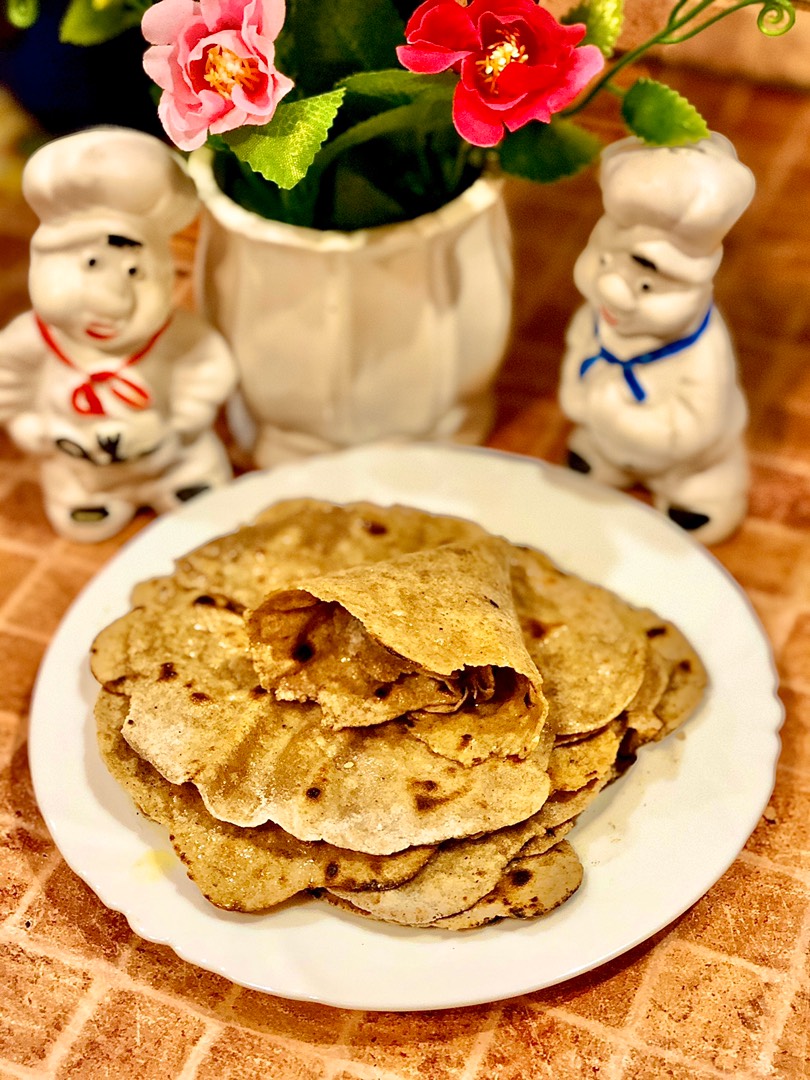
pixel 516 62
pixel 213 60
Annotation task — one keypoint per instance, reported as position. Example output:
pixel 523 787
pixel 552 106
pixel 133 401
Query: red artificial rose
pixel 516 62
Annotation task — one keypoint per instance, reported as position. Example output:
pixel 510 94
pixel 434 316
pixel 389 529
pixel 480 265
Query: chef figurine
pixel 110 386
pixel 649 376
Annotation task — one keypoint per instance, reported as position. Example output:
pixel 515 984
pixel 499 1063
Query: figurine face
pixel 631 293
pixel 112 292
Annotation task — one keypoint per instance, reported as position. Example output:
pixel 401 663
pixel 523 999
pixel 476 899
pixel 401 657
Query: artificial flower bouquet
pixel 354 113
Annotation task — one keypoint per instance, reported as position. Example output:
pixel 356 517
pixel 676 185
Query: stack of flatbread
pixel 391 710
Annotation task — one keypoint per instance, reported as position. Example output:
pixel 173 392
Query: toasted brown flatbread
pixel 433 634
pixel 388 706
pixel 589 649
pixel 299 537
pixel 238 869
pixel 197 713
pixel 531 886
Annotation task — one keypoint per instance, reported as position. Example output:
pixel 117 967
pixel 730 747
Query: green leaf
pixel 322 43
pixel 660 115
pixel 548 152
pixel 603 19
pixel 283 150
pixel 22 13
pixel 395 86
pixel 86 22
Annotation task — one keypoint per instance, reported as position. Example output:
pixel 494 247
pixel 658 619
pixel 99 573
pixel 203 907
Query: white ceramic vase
pixel 343 338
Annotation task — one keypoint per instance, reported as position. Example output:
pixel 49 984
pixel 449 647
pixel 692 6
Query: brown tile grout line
pixel 801 686
pixel 482 1042
pixel 113 976
pixel 795 466
pixel 16 630
pixel 337 1063
pixel 43 566
pixel 760 862
pixel 796 972
pixel 200 1050
pixel 624 1042
pixel 763 971
pixel 13 719
pixel 359 1069
pixel 34 889
pixel 67 549
pixel 794 771
pixel 799 405
pixel 23 1072
pixel 36 829
pixel 36 574
pixel 627 1040
pixel 106 976
pixel 28 550
pixel 67 1037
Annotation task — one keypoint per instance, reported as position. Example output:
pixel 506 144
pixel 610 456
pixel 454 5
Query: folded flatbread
pixel 198 713
pixel 432 637
pixel 239 869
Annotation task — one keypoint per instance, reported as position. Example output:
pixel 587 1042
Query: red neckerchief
pixel 85 400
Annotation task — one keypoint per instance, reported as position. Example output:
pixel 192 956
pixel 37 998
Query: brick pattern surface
pixel 723 992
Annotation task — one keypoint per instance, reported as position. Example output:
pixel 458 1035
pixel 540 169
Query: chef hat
pixel 683 199
pixel 109 180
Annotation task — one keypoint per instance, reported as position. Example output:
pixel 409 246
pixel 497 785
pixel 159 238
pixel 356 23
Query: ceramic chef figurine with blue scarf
pixel 114 389
pixel 649 376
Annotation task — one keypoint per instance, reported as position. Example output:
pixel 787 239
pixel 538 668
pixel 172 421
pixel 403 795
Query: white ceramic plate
pixel 651 845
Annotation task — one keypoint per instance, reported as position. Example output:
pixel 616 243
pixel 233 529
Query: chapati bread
pixel 198 713
pixel 530 886
pixel 590 651
pixel 299 537
pixel 574 765
pixel 432 632
pixel 686 677
pixel 390 708
pixel 238 869
pixel 459 874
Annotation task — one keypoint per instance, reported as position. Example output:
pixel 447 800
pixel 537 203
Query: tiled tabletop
pixel 723 992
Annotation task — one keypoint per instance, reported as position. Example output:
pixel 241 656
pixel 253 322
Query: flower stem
pixel 775 18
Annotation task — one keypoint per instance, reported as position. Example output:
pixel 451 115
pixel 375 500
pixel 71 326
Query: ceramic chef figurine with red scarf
pixel 112 387
pixel 649 376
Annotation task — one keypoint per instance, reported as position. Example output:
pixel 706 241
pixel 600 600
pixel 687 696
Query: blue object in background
pixel 67 87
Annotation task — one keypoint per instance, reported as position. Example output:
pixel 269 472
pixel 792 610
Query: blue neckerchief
pixel 627 366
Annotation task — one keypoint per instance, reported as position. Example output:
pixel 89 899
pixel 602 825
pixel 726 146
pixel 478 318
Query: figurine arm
pixel 21 360
pixel 580 342
pixel 203 376
pixel 672 426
